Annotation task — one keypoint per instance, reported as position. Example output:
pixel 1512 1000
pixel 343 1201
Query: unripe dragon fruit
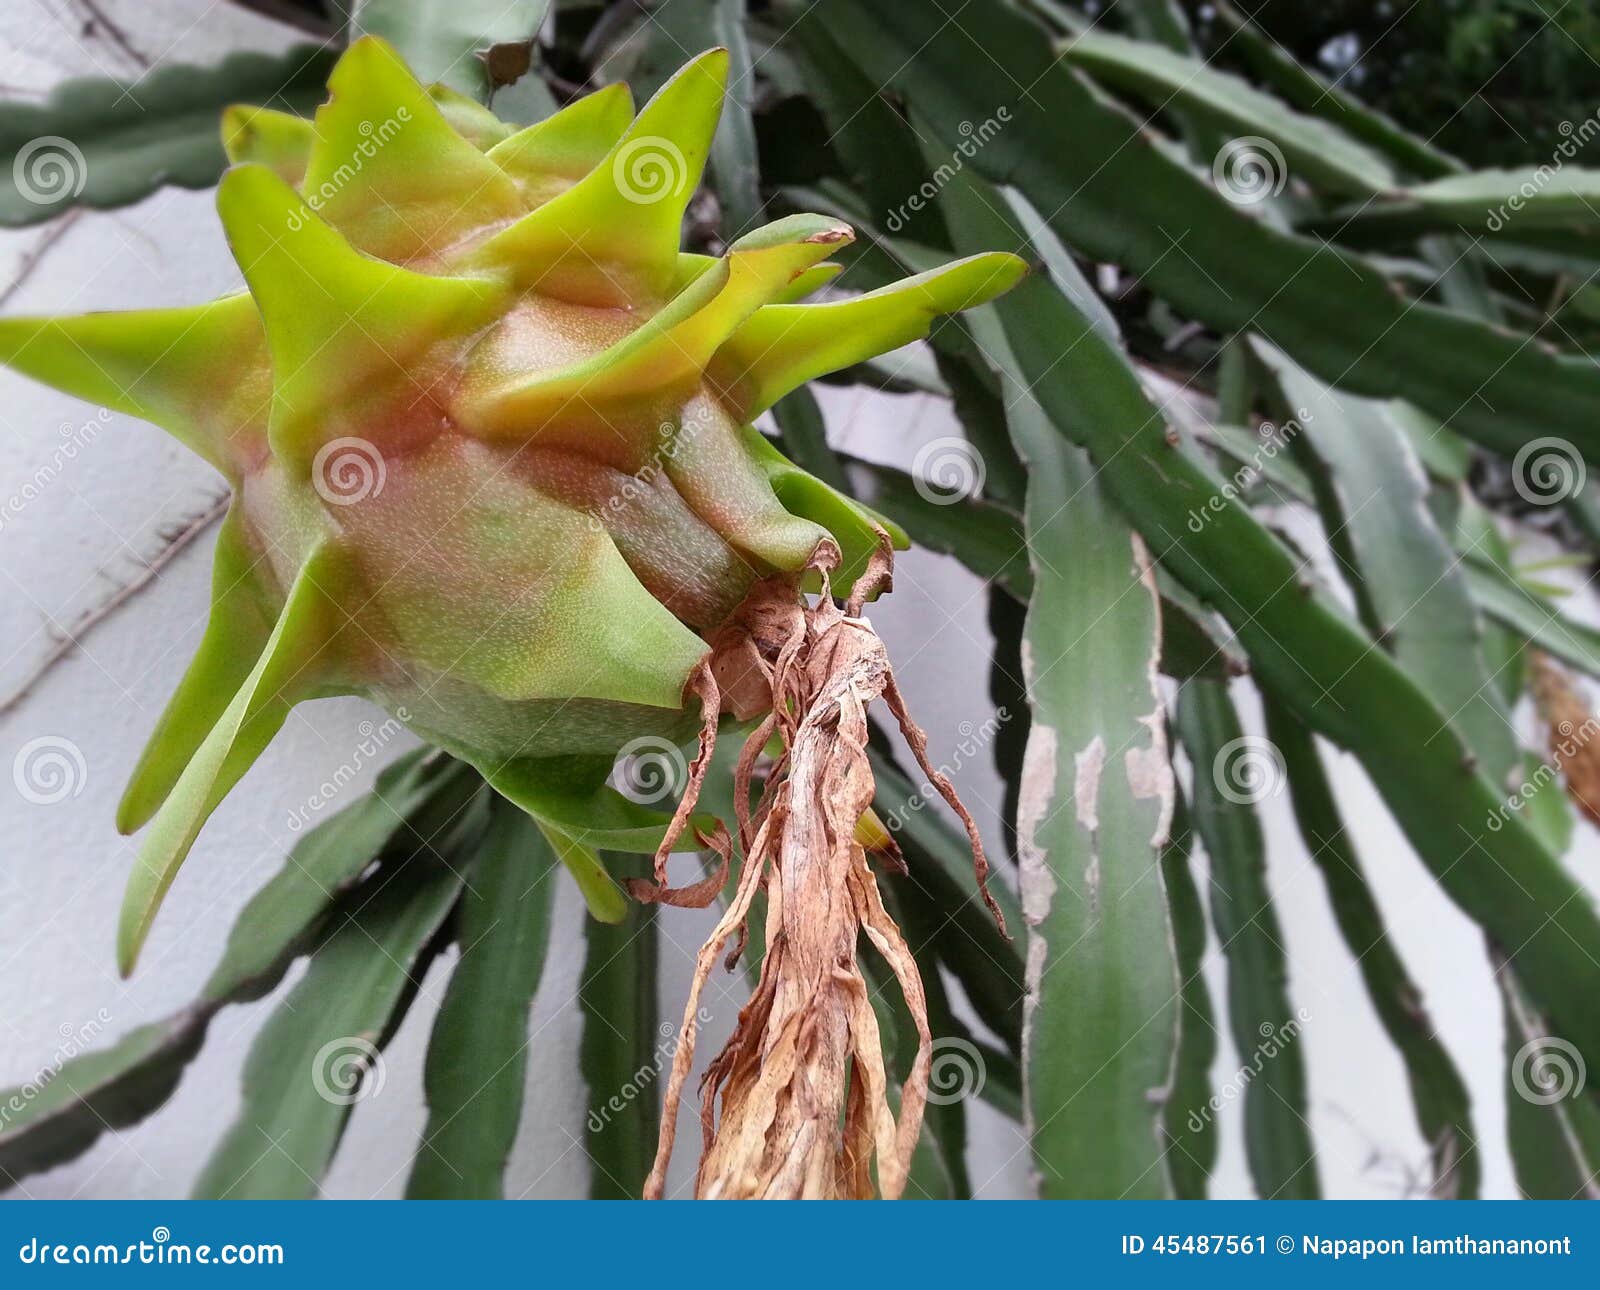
pixel 488 433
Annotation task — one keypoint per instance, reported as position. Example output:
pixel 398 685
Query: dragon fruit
pixel 488 431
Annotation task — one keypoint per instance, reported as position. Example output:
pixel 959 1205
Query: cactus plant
pixel 491 409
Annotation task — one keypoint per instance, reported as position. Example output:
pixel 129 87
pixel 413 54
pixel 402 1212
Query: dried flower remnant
pixel 804 1094
pixel 1572 729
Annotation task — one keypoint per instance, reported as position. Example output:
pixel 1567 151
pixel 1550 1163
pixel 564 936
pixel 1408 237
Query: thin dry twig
pixel 91 618
pixel 30 259
pixel 98 21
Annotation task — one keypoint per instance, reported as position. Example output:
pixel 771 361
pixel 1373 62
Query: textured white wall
pixel 100 516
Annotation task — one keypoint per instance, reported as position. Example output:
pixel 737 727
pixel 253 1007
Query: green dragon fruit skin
pixel 488 431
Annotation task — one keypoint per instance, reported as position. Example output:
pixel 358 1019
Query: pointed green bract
pixel 240 625
pixel 602 896
pixel 673 348
pixel 853 525
pixel 350 336
pixel 280 141
pixel 550 156
pixel 198 372
pixel 469 118
pixel 784 346
pixel 569 795
pixel 612 238
pixel 712 467
pixel 287 671
pixel 388 170
pixel 804 284
pixel 578 815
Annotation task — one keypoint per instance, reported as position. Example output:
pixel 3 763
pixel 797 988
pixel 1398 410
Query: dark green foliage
pixel 1491 81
